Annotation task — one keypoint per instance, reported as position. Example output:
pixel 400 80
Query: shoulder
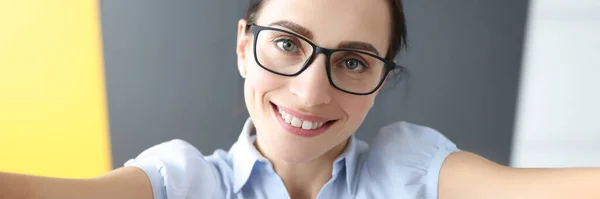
pixel 407 137
pixel 409 157
pixel 177 169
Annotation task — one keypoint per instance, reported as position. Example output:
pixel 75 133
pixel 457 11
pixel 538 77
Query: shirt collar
pixel 245 156
pixel 350 159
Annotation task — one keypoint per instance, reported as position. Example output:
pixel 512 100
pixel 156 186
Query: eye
pixel 354 64
pixel 286 44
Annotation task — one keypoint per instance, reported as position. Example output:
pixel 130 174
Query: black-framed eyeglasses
pixel 289 54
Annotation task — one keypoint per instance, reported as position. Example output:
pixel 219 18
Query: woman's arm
pixel 466 175
pixel 123 183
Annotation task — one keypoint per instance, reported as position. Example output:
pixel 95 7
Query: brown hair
pixel 398 34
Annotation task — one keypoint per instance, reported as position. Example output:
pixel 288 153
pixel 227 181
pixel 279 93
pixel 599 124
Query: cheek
pixel 259 82
pixel 356 107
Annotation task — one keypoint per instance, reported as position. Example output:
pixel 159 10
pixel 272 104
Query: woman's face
pixel 309 97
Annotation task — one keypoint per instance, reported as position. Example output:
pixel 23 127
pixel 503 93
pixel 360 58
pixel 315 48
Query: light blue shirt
pixel 403 161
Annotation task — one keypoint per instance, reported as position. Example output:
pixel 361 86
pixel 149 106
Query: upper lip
pixel 302 116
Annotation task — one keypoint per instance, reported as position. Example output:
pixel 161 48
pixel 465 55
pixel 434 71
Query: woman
pixel 312 69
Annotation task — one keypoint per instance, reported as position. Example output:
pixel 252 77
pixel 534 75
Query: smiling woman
pixel 312 70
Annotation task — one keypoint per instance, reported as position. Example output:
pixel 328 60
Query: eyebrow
pixel 359 46
pixel 301 30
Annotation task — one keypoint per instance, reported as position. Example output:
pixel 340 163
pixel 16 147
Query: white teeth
pixel 307 125
pixel 296 122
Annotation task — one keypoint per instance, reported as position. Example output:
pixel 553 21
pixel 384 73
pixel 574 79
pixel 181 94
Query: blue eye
pixel 286 45
pixel 353 64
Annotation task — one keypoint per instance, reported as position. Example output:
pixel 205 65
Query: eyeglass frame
pixel 388 64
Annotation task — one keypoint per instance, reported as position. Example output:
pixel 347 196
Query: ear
pixel 243 40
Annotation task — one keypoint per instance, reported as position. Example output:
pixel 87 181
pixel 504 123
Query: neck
pixel 305 180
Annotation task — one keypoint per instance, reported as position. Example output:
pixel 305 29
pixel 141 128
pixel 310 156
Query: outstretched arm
pixel 123 183
pixel 466 175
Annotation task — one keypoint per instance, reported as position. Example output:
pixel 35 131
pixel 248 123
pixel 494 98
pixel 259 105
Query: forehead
pixel 334 21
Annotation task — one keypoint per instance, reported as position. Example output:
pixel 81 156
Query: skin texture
pixel 305 164
pixel 466 175
pixel 122 183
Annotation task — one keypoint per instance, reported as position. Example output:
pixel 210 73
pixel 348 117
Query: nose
pixel 312 85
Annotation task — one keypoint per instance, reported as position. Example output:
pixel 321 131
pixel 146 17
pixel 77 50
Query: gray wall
pixel 465 59
pixel 171 73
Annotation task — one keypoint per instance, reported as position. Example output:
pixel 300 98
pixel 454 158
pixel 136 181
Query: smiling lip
pixel 297 130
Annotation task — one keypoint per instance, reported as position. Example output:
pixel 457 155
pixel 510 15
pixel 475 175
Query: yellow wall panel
pixel 53 114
